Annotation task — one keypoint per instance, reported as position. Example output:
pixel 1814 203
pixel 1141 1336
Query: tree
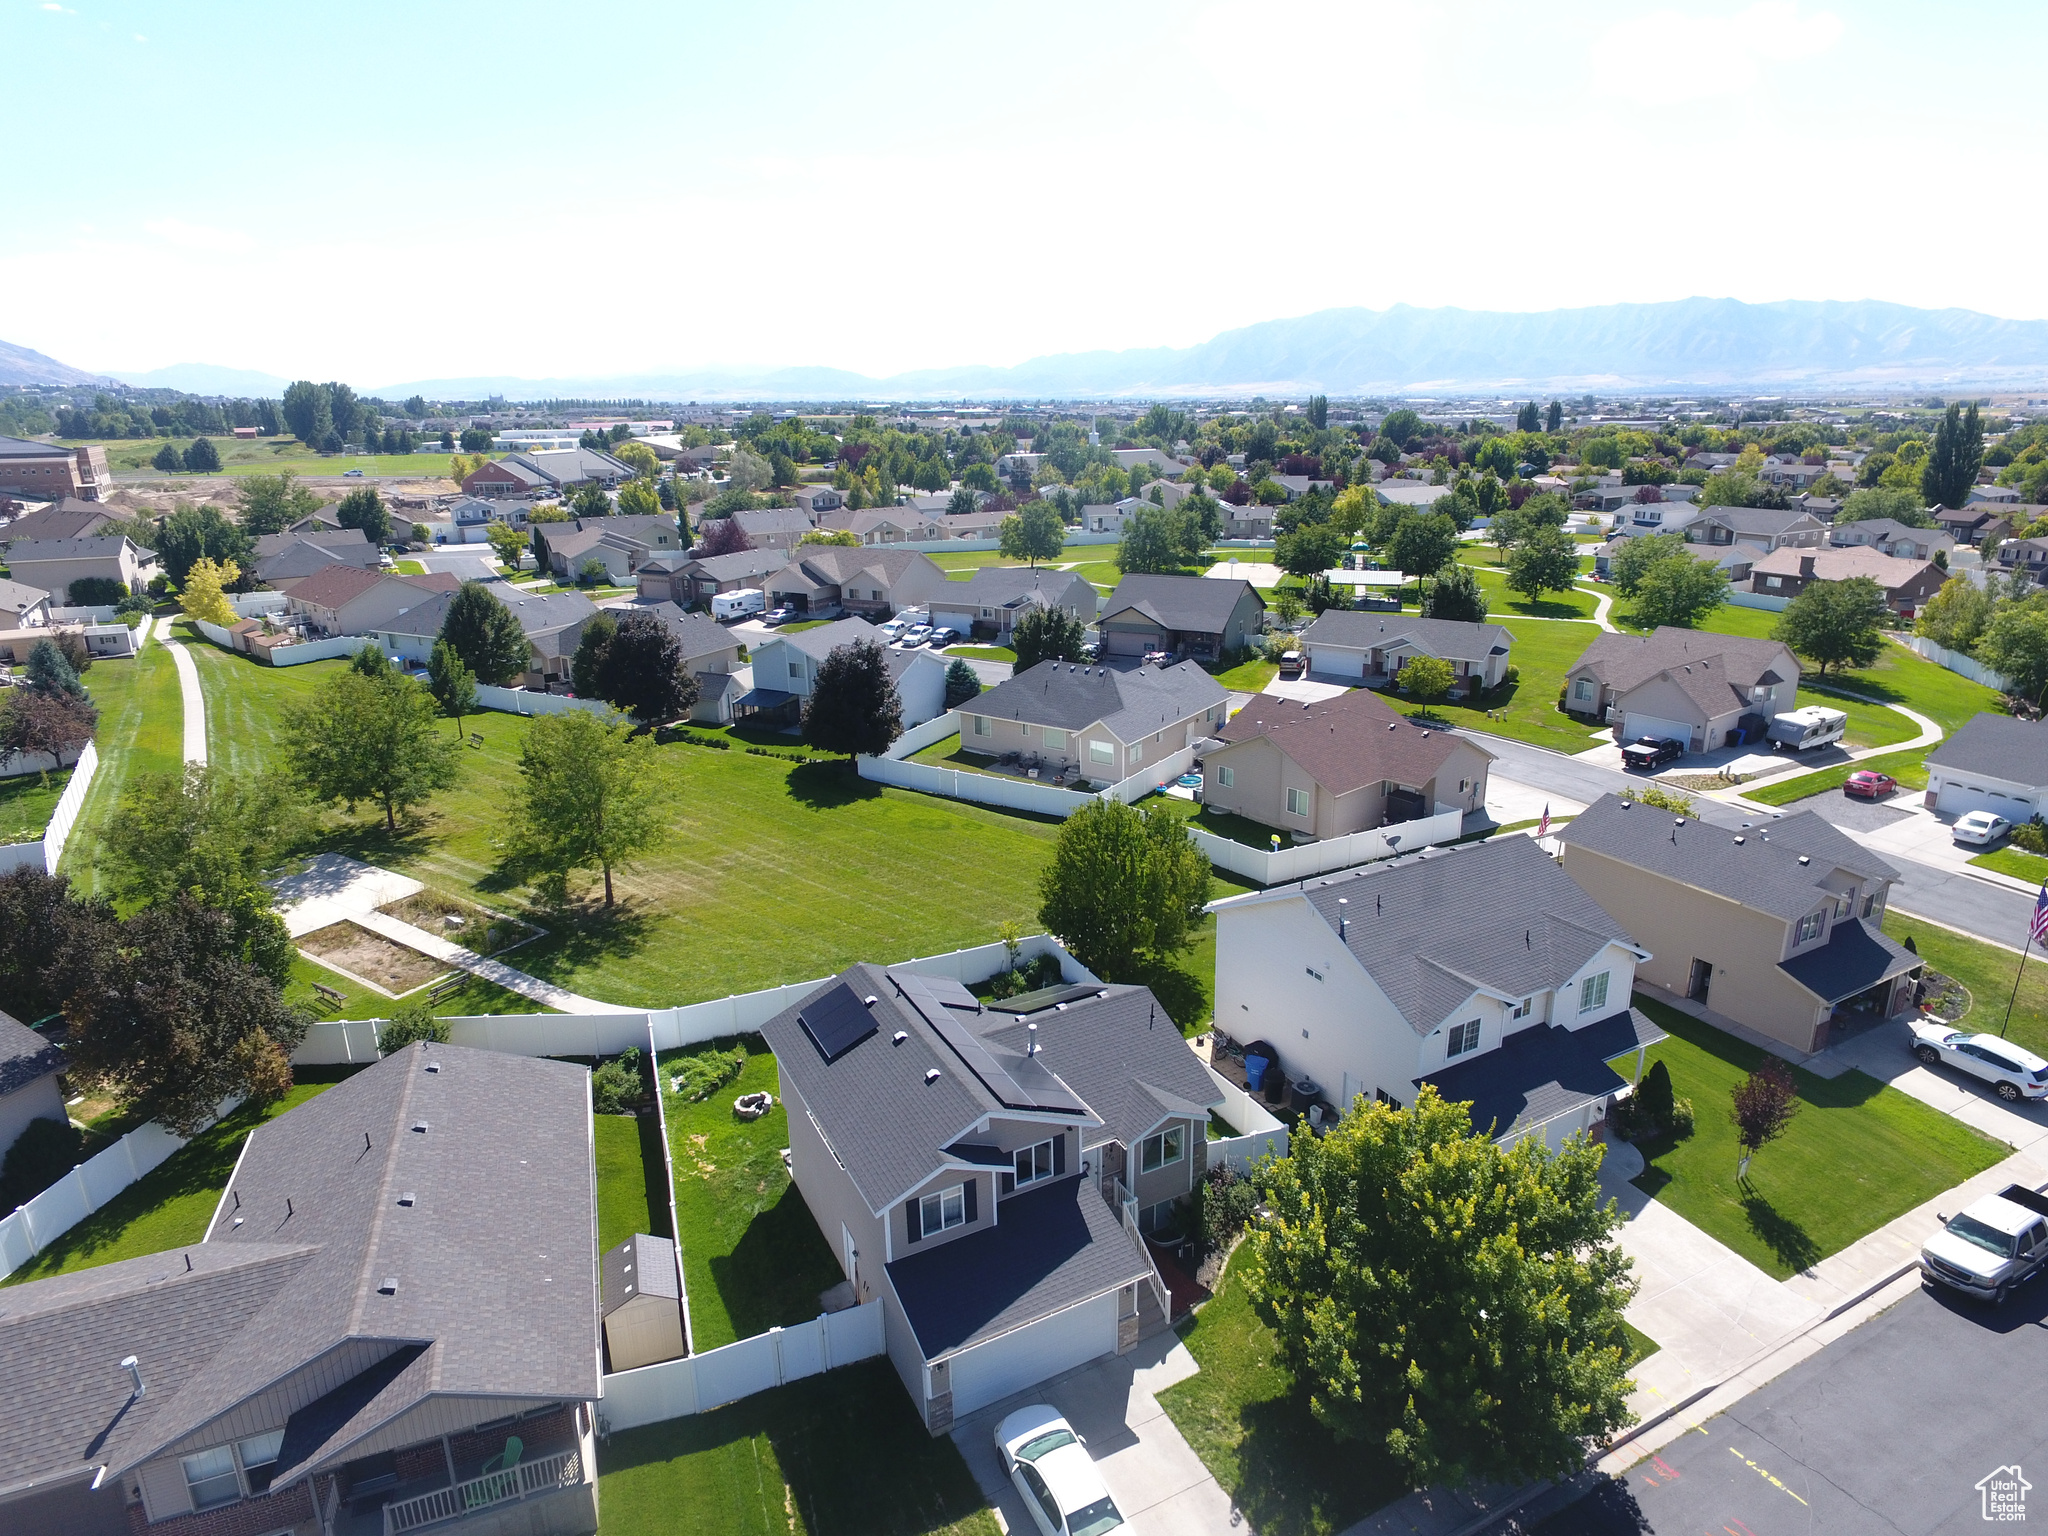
pixel 1454 593
pixel 589 500
pixel 414 1022
pixel 1956 615
pixel 363 508
pixel 586 667
pixel 43 1152
pixel 645 464
pixel 507 543
pixel 1907 507
pixel 46 723
pixel 835 538
pixel 963 503
pixel 48 930
pixel 1046 634
pixel 1123 887
pixel 1763 1107
pixel 721 536
pixel 272 503
pixel 853 707
pixel 1445 1301
pixel 485 634
pixel 452 684
pixel 2015 643
pixel 1310 551
pixel 204 592
pixel 168 460
pixel 51 672
pixel 1427 678
pixel 308 411
pixel 1632 562
pixel 202 458
pixel 1835 623
pixel 1318 412
pixel 638 498
pixel 590 794
pixel 962 682
pixel 1680 592
pixel 1527 419
pixel 642 671
pixel 1033 532
pixel 477 440
pixel 370 739
pixel 1401 427
pixel 1546 561
pixel 1953 458
pixel 1553 419
pixel 1423 543
pixel 191 532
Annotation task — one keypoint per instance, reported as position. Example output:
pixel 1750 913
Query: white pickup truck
pixel 1991 1246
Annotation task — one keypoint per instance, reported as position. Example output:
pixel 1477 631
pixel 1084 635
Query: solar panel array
pixel 837 1022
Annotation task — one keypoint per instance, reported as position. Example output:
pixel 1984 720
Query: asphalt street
pixel 1888 1431
pixel 1957 901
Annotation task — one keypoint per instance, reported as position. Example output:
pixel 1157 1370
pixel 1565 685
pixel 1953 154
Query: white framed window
pixel 1297 802
pixel 1102 752
pixel 983 726
pixel 1055 741
pixel 947 1208
pixel 1810 927
pixel 1026 729
pixel 1582 690
pixel 1386 1098
pixel 796 669
pixel 1226 777
pixel 210 1476
pixel 1133 753
pixel 1522 1008
pixel 1162 1150
pixel 259 1458
pixel 1464 1037
pixel 1033 1163
pixel 1593 992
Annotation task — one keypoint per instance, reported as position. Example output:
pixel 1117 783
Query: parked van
pixel 1812 726
pixel 737 605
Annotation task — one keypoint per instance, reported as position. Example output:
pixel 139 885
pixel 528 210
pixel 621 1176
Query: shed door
pixel 992 1371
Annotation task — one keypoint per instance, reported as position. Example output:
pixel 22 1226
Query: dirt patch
pixel 371 957
pixel 477 928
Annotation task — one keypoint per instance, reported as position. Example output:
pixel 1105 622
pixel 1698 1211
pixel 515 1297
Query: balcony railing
pixel 564 1469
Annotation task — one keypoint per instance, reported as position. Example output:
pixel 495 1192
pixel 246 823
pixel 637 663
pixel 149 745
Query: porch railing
pixel 1127 1207
pixel 564 1469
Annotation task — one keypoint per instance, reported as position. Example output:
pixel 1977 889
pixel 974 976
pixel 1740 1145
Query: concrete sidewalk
pixel 508 977
pixel 195 701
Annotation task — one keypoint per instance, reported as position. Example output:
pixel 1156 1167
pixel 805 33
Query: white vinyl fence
pixel 15 764
pixel 103 614
pixel 1759 600
pixel 523 701
pixel 1955 661
pixel 1012 793
pixel 1306 859
pixel 698 1383
pixel 251 605
pixel 47 850
pixel 299 654
pixel 1259 1132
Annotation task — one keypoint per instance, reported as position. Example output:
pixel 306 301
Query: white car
pixel 893 630
pixel 1049 1463
pixel 1980 827
pixel 915 636
pixel 2014 1072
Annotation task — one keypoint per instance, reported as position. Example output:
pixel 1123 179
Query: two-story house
pixel 1097 722
pixel 773 527
pixel 979 1168
pixel 54 564
pixel 1761 528
pixel 1906 584
pixel 821 580
pixel 1683 685
pixel 1483 970
pixel 990 603
pixel 361 1342
pixel 1889 536
pixel 691 581
pixel 1775 926
pixel 1182 616
pixel 2024 557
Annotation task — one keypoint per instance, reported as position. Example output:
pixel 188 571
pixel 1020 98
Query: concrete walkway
pixel 195 701
pixel 508 977
pixel 1603 604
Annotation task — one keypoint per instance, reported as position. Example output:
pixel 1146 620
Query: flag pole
pixel 2034 928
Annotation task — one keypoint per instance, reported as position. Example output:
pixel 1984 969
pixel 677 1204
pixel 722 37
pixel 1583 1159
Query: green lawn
pixel 1900 676
pixel 983 653
pixel 141 730
pixel 27 802
pixel 1504 602
pixel 1870 725
pixel 801 624
pixel 1856 1154
pixel 167 1207
pixel 1989 974
pixel 753 1257
pixel 1909 768
pixel 632 1178
pixel 842 1454
pixel 410 568
pixel 1249 676
pixel 1243 1415
pixel 268 455
pixel 2017 862
pixel 1527 710
pixel 474 996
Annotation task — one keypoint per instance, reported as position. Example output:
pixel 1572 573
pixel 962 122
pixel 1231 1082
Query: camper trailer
pixel 737 605
pixel 1812 726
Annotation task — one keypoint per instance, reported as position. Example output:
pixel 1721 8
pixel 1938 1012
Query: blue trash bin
pixel 1255 1072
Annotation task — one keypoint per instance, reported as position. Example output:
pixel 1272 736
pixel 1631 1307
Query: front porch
pixel 536 1474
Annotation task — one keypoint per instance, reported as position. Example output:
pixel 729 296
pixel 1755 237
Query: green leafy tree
pixel 1034 532
pixel 486 635
pixel 1956 615
pixel 638 498
pixel 586 667
pixel 1629 564
pixel 591 793
pixel 358 739
pixel 2015 643
pixel 590 501
pixel 370 661
pixel 413 1022
pixel 1402 427
pixel 1310 551
pixel 1907 507
pixel 1152 543
pixel 1546 561
pixel 272 503
pixel 1318 412
pixel 1046 634
pixel 962 683
pixel 191 533
pixel 1835 623
pixel 1454 593
pixel 47 928
pixel 1953 458
pixel 1553 419
pixel 452 684
pixel 853 707
pixel 1680 593
pixel 642 671
pixel 476 440
pixel 507 543
pixel 1427 678
pixel 1450 1303
pixel 1123 887
pixel 1422 543
pixel 202 458
pixel 308 412
pixel 363 508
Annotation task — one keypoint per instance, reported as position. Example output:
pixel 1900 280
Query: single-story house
pixel 283 557
pixel 1992 495
pixel 360 1341
pixel 887 525
pixel 349 600
pixel 989 605
pixel 54 564
pixel 1777 927
pixel 552 621
pixel 1404 492
pixel 1889 536
pixel 1906 584
pixel 1994 763
pixel 1099 722
pixel 23 606
pixel 977 1168
pixel 1482 970
pixel 1683 685
pixel 824 579
pixel 65 518
pixel 29 1068
pixel 691 581
pixel 1656 517
pixel 1340 765
pixel 786 669
pixel 1373 647
pixel 1182 615
pixel 1298 486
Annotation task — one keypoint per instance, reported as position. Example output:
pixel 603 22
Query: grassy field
pixel 1244 1416
pixel 141 730
pixel 753 1257
pixel 632 1178
pixel 842 1454
pixel 1989 974
pixel 2017 862
pixel 1856 1154
pixel 1909 768
pixel 1870 725
pixel 268 455
pixel 1249 676
pixel 165 1208
pixel 27 803
pixel 1527 710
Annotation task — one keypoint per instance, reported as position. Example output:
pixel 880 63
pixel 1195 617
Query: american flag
pixel 1543 830
pixel 2041 915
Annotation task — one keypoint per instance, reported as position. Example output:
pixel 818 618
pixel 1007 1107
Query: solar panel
pixel 837 1022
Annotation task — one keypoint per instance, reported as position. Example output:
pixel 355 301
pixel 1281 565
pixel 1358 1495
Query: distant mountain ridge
pixel 23 365
pixel 1686 344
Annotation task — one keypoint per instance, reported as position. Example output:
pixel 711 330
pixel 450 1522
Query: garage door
pixel 990 1372
pixel 1123 642
pixel 1637 726
pixel 1959 797
pixel 1336 663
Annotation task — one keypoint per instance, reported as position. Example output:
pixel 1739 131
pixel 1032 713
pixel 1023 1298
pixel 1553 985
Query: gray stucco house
pixel 1181 615
pixel 29 1065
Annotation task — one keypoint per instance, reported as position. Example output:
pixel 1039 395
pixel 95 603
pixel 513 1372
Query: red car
pixel 1869 785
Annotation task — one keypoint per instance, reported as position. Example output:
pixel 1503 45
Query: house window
pixel 1870 904
pixel 948 1208
pixel 1055 741
pixel 259 1458
pixel 1160 1151
pixel 1034 1163
pixel 1593 992
pixel 1226 777
pixel 796 669
pixel 1133 752
pixel 1582 690
pixel 211 1477
pixel 1386 1098
pixel 983 726
pixel 1522 1008
pixel 1153 1217
pixel 1464 1037
pixel 1810 927
pixel 1774 581
pixel 1297 802
pixel 1102 752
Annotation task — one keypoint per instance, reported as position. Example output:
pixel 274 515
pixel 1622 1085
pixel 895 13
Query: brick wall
pixel 248 1517
pixel 542 1435
pixel 418 1461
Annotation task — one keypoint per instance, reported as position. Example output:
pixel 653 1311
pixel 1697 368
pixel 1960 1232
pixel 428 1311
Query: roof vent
pixel 133 1367
pixel 1624 804
pixel 408 1198
pixel 1391 724
pixel 899 1037
pixel 433 1066
pixel 1740 840
pixel 420 1126
pixel 869 1001
pixel 1804 860
pixel 931 1074
pixel 389 1287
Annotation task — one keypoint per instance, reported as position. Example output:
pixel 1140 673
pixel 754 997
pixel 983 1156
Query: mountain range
pixel 1720 345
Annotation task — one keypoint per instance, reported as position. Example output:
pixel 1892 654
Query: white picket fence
pixel 49 848
pixel 1955 661
pixel 33 1227
pixel 699 1383
pixel 1306 859
pixel 523 701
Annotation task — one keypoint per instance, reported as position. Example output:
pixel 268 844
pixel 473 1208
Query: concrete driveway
pixel 1158 1482
pixel 473 563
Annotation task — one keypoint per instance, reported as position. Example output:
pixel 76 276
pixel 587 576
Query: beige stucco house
pixel 1682 685
pixel 1103 724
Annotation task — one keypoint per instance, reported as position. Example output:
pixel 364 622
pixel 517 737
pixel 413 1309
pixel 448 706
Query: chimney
pixel 133 1367
pixel 1806 567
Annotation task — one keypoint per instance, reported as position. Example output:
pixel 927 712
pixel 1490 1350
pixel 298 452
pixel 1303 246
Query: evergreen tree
pixel 453 684
pixel 1953 458
pixel 1046 634
pixel 962 683
pixel 202 458
pixel 1454 593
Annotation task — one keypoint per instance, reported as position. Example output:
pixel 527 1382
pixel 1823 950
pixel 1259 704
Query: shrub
pixel 42 1154
pixel 699 1077
pixel 96 592
pixel 1225 1202
pixel 1654 1095
pixel 415 1021
pixel 615 1086
pixel 2032 836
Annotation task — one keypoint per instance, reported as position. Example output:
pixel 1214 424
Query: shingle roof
pixel 1857 956
pixel 1759 521
pixel 697 635
pixel 1190 604
pixel 770 521
pixel 1348 741
pixel 539 613
pixel 68 518
pixel 1761 867
pixel 1451 639
pixel 998 586
pixel 351 541
pixel 1841 563
pixel 735 567
pixel 1070 697
pixel 837 565
pixel 826 638
pixel 1997 746
pixel 643 1265
pixel 1716 671
pixel 25 1056
pixel 27 550
pixel 18 596
pixel 1543 1071
pixel 336 583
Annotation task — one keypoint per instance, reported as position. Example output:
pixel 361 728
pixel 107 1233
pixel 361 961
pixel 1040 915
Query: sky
pixel 386 192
